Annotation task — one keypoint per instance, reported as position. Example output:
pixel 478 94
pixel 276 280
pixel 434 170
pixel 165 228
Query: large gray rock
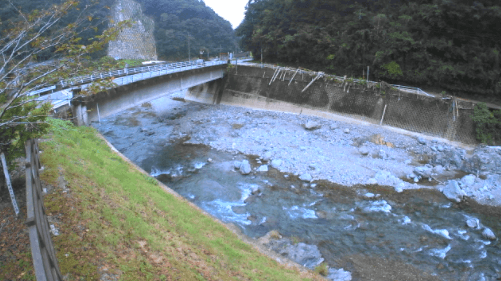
pixel 245 167
pixel 438 169
pixel 276 163
pixel 306 255
pixel 263 168
pixel 424 171
pixel 453 192
pixel 488 234
pixel 468 180
pixel 450 158
pixel 312 125
pixel 421 141
pixel 339 275
pixel 485 160
pixel 472 223
pixel 305 177
pixel 364 150
pixel 267 156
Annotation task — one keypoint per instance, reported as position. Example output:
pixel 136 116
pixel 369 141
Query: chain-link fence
pixel 378 103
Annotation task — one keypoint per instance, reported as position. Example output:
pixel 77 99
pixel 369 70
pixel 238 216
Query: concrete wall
pixel 91 108
pixel 249 86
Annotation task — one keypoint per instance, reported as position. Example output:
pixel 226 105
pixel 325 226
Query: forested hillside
pixel 96 15
pixel 175 22
pixel 178 20
pixel 451 44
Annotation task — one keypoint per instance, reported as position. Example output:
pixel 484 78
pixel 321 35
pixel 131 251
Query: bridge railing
pixel 169 67
pixel 127 75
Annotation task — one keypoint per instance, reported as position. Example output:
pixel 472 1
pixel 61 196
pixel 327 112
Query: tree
pixel 450 44
pixel 27 37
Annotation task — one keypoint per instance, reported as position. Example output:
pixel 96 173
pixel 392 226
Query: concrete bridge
pixel 139 88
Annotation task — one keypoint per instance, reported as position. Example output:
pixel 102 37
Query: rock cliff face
pixel 136 42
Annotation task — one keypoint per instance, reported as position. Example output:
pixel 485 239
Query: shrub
pixel 322 269
pixel 487 124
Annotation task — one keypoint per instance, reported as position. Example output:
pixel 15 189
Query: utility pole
pixel 189 52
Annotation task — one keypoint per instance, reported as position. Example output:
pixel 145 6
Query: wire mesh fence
pixel 376 102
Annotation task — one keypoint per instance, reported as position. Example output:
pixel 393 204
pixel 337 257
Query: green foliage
pixel 64 32
pixel 414 42
pixel 322 269
pixel 392 69
pixel 177 21
pixel 22 123
pixel 487 124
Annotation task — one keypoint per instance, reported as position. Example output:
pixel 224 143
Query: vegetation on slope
pixel 454 45
pixel 116 220
pixel 177 21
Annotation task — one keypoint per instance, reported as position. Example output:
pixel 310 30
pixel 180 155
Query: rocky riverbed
pixel 348 194
pixel 342 153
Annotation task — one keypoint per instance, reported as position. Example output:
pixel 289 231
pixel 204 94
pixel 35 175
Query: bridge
pixel 134 87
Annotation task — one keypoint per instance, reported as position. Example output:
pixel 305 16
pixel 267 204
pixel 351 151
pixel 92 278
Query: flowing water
pixel 419 227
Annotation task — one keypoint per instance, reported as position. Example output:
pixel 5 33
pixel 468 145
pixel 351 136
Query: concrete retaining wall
pixel 250 86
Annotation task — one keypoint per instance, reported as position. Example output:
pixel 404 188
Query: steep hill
pixel 453 45
pixel 177 21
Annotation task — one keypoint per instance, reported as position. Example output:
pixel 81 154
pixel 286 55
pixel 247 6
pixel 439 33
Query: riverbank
pixel 336 150
pixel 114 222
pixel 224 159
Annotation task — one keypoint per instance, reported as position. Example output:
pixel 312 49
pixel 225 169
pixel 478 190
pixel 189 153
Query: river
pixel 420 227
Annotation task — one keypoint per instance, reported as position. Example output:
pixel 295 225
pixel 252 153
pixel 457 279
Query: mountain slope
pixel 454 45
pixel 178 20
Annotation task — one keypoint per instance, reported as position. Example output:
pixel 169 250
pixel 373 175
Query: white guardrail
pixel 122 77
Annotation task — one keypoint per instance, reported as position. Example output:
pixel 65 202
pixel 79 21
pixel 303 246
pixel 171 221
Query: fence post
pixel 9 185
pixel 43 253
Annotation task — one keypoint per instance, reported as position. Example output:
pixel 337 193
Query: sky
pixel 231 10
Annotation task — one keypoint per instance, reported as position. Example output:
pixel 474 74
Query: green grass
pixel 120 218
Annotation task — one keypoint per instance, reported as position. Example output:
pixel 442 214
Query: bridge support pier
pixel 80 114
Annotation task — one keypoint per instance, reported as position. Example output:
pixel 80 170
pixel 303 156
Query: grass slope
pixel 115 220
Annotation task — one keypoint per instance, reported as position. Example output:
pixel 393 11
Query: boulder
pixel 453 192
pixel 267 156
pixel 255 189
pixel 346 131
pixel 468 180
pixel 245 167
pixel 472 223
pixel 424 171
pixel 488 234
pixel 364 150
pixel 485 160
pixel 438 169
pixel 450 158
pixel 276 163
pixel 305 177
pixel 421 141
pixel 312 125
pixel 237 164
pixel 263 168
pixel 339 275
pixel 306 255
